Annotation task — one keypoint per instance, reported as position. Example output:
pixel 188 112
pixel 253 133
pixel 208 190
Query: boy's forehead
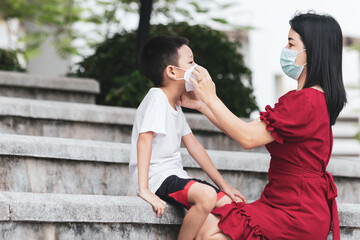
pixel 185 51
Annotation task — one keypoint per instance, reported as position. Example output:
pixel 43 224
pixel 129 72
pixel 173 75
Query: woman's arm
pixel 247 134
pixel 191 100
pixel 198 152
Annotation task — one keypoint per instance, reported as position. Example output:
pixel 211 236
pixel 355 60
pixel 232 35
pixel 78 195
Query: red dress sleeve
pixel 292 118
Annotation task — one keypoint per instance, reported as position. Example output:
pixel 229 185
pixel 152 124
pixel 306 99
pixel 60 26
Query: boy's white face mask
pixel 188 73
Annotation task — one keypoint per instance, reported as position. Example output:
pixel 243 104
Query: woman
pixel 299 200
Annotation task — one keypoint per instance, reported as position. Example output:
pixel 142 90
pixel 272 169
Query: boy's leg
pixel 203 199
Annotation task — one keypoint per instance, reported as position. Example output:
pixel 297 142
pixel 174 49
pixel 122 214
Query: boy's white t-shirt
pixel 169 125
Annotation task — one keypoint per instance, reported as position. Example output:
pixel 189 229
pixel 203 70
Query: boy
pixel 159 127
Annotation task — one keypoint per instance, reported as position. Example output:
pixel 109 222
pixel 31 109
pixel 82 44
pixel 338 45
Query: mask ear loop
pixel 298 54
pixel 301 51
pixel 180 69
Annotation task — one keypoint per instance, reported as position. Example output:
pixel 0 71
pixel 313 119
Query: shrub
pixel 9 61
pixel 114 65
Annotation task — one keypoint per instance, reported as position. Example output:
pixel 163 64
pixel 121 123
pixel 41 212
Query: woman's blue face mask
pixel 287 62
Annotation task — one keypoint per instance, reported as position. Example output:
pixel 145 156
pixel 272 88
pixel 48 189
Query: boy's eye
pixel 191 62
pixel 290 45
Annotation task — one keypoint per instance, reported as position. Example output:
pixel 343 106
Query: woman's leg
pixel 210 230
pixel 223 201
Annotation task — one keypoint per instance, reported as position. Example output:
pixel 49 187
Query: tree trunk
pixel 144 24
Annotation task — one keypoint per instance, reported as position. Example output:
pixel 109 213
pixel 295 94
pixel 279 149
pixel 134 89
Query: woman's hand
pixel 191 100
pixel 204 85
pixel 158 204
pixel 234 194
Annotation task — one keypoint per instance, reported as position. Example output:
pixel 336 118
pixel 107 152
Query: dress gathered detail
pixel 236 213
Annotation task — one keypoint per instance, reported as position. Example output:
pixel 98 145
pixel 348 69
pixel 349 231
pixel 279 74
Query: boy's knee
pixel 206 198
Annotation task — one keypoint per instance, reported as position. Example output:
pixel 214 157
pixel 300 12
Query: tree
pixel 114 65
pixel 144 24
pixel 58 19
pixel 9 61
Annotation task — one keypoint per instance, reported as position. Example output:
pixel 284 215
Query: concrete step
pixel 346 130
pixel 346 148
pixel 87 121
pixel 62 217
pixel 22 85
pixel 70 166
pixel 58 216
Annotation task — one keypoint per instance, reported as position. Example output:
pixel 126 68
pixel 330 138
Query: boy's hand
pixel 234 194
pixel 191 100
pixel 157 204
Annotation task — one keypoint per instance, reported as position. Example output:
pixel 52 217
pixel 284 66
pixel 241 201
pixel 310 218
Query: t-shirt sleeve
pixel 291 119
pixel 185 128
pixel 154 116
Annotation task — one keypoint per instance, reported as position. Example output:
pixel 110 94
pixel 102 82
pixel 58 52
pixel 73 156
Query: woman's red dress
pixel 299 200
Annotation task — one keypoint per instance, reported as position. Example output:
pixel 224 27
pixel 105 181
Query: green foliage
pixel 9 61
pixel 132 89
pixel 54 17
pixel 113 58
pixel 357 136
pixel 355 47
pixel 114 65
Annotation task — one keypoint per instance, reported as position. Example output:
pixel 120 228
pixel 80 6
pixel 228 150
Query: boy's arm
pixel 144 147
pixel 198 152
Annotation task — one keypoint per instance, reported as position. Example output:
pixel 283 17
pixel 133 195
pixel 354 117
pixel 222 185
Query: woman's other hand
pixel 191 100
pixel 234 194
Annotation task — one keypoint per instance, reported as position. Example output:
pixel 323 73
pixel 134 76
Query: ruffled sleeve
pixel 292 118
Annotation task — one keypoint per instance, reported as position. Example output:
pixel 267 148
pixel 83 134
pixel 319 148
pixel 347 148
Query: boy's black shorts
pixel 175 190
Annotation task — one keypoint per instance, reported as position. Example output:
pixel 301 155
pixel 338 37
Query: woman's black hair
pixel 322 37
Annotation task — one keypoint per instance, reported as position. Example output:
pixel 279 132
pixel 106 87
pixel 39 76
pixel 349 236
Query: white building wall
pixel 270 20
pixel 48 62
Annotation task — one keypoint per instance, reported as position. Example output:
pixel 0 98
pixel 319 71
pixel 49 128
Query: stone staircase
pixel 48 88
pixel 64 168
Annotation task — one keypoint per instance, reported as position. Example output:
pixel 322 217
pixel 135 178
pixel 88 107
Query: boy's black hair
pixel 158 53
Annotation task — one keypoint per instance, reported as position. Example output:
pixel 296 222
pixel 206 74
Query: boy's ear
pixel 170 72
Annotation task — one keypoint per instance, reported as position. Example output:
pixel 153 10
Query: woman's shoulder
pixel 303 96
pixel 295 103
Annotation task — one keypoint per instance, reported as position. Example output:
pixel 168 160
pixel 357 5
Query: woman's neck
pixel 301 80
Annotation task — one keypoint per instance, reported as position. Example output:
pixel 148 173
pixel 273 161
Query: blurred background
pixel 238 41
pixel 70 86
